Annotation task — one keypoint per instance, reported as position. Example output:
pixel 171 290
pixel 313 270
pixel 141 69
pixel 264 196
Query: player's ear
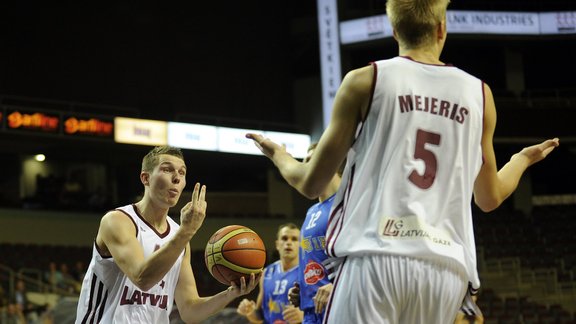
pixel 145 178
pixel 441 31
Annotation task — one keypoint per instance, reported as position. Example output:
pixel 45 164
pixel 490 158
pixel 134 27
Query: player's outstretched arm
pixel 350 107
pixel 192 307
pixel 493 186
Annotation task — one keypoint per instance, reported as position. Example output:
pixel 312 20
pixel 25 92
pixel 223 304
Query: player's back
pixel 408 183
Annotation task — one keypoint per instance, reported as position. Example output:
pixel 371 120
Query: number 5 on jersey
pixel 425 181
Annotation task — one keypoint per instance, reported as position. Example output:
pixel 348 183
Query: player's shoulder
pixel 272 267
pixel 117 217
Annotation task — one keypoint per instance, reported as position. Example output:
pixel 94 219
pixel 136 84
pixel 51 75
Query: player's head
pixel 415 22
pixel 164 175
pixel 287 241
pixel 310 152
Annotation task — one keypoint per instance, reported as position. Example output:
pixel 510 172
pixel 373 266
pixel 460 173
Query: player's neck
pixel 428 55
pixel 155 216
pixel 288 264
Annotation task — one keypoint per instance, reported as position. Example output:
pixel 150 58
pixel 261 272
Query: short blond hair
pixel 415 21
pixel 150 161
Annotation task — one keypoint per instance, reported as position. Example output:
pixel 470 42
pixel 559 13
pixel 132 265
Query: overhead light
pixel 40 157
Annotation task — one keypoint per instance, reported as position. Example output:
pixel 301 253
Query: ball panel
pixel 220 260
pixel 226 275
pixel 244 240
pixel 252 259
pixel 225 230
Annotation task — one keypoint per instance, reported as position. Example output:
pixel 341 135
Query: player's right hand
pixel 294 295
pixel 193 213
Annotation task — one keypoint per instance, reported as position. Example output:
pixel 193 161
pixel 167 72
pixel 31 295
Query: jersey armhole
pixel 373 88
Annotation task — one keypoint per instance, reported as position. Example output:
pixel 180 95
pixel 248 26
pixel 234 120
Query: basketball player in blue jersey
pixel 141 257
pixel 272 305
pixel 417 135
pixel 311 292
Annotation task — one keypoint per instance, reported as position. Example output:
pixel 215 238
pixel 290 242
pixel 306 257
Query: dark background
pixel 236 64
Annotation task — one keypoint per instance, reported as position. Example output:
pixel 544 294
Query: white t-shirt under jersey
pixel 407 187
pixel 108 296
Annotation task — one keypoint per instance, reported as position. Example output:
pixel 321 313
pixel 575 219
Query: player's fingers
pixel 550 145
pixel 252 282
pixel 255 137
pixel 242 284
pixel 318 306
pixel 195 192
pixel 202 196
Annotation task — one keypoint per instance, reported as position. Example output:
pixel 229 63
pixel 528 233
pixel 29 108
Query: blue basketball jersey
pixel 311 272
pixel 276 285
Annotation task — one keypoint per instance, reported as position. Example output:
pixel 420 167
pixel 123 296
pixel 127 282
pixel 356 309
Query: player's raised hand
pixel 193 213
pixel 539 152
pixel 266 145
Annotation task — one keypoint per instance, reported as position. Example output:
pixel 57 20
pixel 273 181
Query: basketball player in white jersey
pixel 418 134
pixel 141 257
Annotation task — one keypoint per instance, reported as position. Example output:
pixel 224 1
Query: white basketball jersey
pixel 108 296
pixel 408 183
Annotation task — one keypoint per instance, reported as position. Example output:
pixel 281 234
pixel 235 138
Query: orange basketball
pixel 233 252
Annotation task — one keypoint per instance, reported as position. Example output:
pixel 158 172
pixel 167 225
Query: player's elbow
pixel 143 283
pixel 144 286
pixel 309 194
pixel 487 204
pixel 309 191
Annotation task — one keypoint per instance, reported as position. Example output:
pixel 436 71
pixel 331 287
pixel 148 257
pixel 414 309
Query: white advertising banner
pixel 233 140
pixel 202 137
pixel 492 22
pixel 469 22
pixel 140 131
pixel 193 136
pixel 329 54
pixel 553 23
pixel 374 27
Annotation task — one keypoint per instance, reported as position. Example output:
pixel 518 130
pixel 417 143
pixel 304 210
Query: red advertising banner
pixel 31 120
pixel 88 126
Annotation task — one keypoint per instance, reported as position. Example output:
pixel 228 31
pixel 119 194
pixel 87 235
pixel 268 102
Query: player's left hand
pixel 292 315
pixel 321 298
pixel 539 152
pixel 243 288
